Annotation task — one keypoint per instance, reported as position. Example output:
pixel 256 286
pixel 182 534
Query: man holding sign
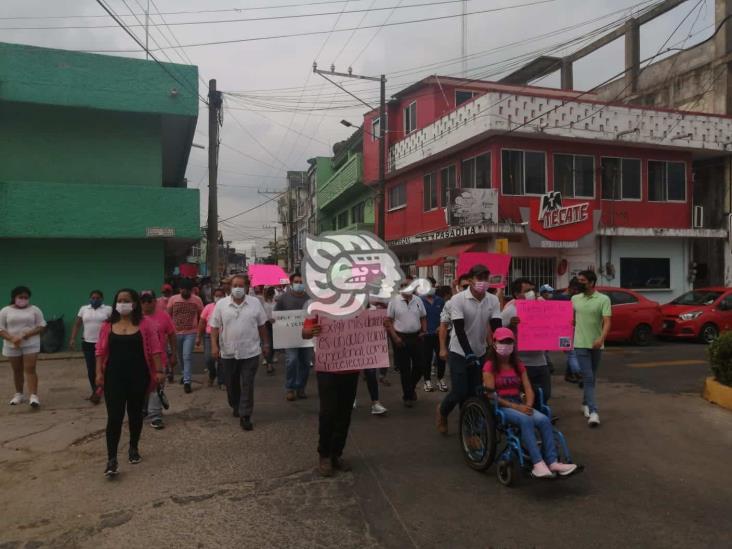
pixel 298 359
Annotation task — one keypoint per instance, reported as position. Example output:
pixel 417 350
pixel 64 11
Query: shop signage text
pixel 450 233
pixel 557 222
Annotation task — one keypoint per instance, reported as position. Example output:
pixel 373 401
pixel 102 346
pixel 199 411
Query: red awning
pixel 439 256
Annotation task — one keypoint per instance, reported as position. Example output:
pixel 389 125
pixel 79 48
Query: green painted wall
pixel 326 218
pixel 41 143
pixel 67 210
pixel 61 272
pixel 324 171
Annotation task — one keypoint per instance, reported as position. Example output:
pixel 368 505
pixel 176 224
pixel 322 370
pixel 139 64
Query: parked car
pixel 635 317
pixel 699 314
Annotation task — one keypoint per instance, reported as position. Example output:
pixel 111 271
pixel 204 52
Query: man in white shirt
pixel 474 314
pixel 407 329
pixel 238 336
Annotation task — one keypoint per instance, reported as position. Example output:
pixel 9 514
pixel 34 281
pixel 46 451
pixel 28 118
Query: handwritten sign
pixel 287 330
pixel 545 325
pixel 267 275
pixel 497 264
pixel 357 343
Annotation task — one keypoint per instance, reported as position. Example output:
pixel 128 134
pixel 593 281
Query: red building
pixel 571 181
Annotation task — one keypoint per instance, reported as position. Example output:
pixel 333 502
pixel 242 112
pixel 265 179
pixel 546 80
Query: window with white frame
pixel 574 175
pixel 666 181
pixel 397 196
pixel 463 96
pixel 447 183
pixel 523 172
pixel 430 192
pixel 410 118
pixel 376 127
pixel 476 172
pixel 621 178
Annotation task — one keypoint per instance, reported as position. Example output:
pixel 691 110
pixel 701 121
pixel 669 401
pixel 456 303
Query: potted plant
pixel 718 389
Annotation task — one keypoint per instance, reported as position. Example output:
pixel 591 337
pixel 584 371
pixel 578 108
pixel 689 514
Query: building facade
pixel 93 153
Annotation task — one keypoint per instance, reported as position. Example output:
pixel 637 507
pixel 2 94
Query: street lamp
pixel 348 124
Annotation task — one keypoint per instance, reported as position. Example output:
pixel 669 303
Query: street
pixel 657 470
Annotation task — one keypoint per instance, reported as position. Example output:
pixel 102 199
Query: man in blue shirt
pixel 433 304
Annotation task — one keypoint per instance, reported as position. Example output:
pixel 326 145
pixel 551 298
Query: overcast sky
pixel 272 77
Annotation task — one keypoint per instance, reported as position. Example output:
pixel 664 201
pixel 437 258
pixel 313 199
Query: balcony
pixel 343 185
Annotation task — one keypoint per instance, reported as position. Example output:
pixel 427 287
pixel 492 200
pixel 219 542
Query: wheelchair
pixel 483 429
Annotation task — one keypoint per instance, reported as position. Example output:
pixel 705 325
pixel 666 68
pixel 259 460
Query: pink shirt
pixel 185 313
pixel 508 383
pixel 165 328
pixel 206 314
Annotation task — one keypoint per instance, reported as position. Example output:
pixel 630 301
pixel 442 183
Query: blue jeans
pixel 215 369
pixel 464 378
pixel 528 424
pixel 589 361
pixel 572 364
pixel 186 342
pixel 297 367
pixel 372 383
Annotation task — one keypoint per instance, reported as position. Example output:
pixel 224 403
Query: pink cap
pixel 503 333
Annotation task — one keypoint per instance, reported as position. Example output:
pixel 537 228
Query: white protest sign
pixel 287 330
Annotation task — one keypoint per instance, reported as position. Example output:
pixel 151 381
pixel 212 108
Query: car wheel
pixel 642 335
pixel 709 333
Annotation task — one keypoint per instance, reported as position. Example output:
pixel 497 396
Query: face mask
pixel 21 302
pixel 95 303
pixel 238 293
pixel 298 287
pixel 480 286
pixel 504 349
pixel 581 288
pixel 431 291
pixel 530 295
pixel 124 308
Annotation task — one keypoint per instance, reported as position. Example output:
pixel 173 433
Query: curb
pixel 64 356
pixel 717 393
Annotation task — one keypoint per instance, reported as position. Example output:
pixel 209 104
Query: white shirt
pixel 238 327
pixel 93 320
pixel 477 316
pixel 406 316
pixel 445 317
pixel 529 358
pixel 18 322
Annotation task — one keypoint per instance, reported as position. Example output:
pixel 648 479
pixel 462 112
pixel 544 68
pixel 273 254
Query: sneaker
pixel 96 397
pixel 340 464
pixel 134 456
pixel 385 382
pixel 17 399
pixel 594 420
pixel 355 403
pixel 111 469
pixel 187 387
pixel 235 412
pixel 290 396
pixel 270 370
pixel 441 422
pixel 246 423
pixel 170 378
pixel 540 470
pixel 34 402
pixel 378 409
pixel 301 393
pixel 428 388
pixel 563 469
pixel 442 386
pixel 325 468
pixel 570 378
pixel 157 424
pixel 409 403
pixel 585 410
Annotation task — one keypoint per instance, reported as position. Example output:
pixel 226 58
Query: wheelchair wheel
pixel 508 472
pixel 477 433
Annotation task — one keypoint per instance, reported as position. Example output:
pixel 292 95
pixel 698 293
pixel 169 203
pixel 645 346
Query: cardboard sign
pixel 497 264
pixel 267 275
pixel 545 325
pixel 357 343
pixel 287 330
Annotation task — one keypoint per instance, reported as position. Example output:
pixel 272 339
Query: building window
pixel 410 118
pixel 574 175
pixel 447 184
pixel 641 273
pixel 621 179
pixel 343 219
pixel 523 172
pixel 539 270
pixel 462 96
pixel 476 172
pixel 430 192
pixel 376 128
pixel 666 181
pixel 397 196
pixel 358 212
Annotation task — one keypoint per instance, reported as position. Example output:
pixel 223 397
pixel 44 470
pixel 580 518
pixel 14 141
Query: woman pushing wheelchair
pixel 504 378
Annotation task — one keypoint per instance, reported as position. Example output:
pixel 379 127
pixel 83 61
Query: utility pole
pixel 212 233
pixel 379 202
pixel 275 250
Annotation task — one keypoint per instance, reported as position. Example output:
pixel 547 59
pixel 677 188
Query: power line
pixel 253 208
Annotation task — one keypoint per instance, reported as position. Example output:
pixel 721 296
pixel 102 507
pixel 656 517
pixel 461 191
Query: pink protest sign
pixel 267 275
pixel 356 343
pixel 544 325
pixel 497 264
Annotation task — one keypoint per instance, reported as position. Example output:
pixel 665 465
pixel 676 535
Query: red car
pixel 635 317
pixel 699 314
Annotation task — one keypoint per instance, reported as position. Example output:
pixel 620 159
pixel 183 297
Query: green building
pixel 93 153
pixel 344 202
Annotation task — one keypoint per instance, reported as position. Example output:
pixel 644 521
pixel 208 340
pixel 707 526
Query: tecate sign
pixel 556 221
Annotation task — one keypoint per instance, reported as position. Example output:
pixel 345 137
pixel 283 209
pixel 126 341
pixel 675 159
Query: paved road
pixel 657 471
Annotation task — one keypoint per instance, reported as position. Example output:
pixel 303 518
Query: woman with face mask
pixel 91 317
pixel 128 368
pixel 20 327
pixel 215 371
pixel 504 376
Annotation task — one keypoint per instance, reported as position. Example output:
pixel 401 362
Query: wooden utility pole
pixel 212 233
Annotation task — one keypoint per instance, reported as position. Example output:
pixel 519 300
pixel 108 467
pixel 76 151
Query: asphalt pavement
pixel 657 470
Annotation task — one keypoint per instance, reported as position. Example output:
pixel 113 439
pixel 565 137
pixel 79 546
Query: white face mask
pixel 124 308
pixel 530 295
pixel 238 293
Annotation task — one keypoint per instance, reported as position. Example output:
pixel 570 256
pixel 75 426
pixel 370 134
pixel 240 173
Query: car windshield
pixel 697 297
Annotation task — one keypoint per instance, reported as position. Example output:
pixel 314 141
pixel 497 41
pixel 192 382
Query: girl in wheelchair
pixel 504 378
